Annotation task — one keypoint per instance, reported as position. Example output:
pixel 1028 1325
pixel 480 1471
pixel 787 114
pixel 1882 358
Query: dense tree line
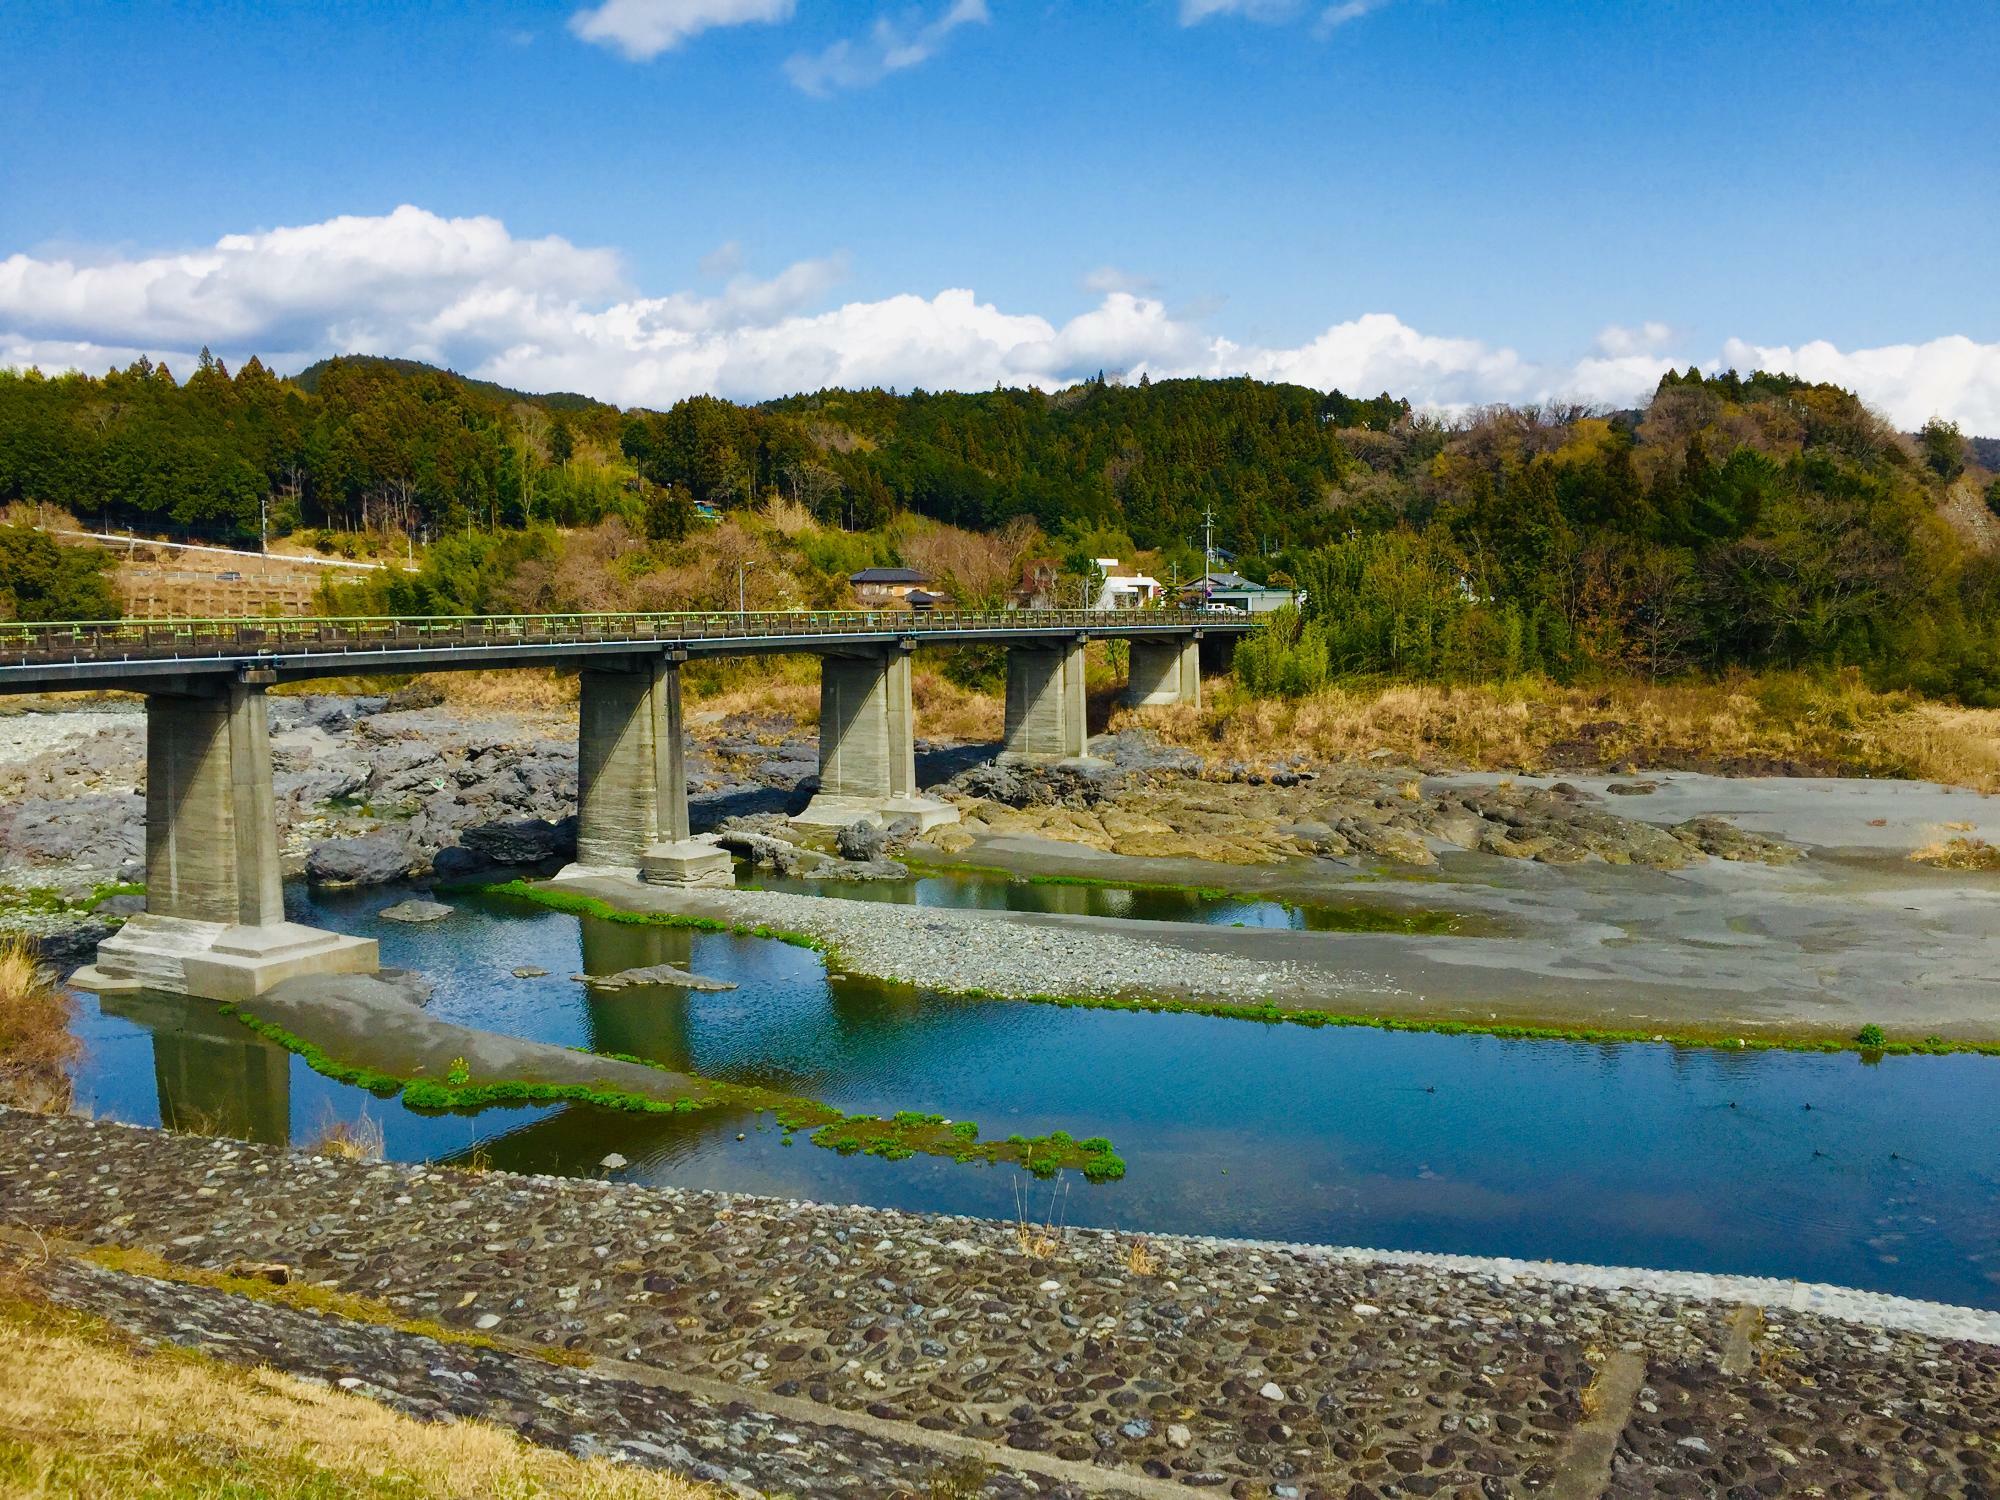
pixel 1735 520
pixel 1761 522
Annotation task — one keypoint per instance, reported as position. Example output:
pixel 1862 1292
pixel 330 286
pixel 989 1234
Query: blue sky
pixel 643 197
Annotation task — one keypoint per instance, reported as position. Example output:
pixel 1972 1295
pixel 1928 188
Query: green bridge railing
pixel 27 644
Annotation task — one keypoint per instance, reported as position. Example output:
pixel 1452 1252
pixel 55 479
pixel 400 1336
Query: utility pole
pixel 1208 539
pixel 264 523
pixel 739 590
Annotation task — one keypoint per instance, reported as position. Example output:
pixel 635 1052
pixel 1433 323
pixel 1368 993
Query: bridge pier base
pixel 214 923
pixel 631 778
pixel 1045 702
pixel 1164 671
pixel 867 744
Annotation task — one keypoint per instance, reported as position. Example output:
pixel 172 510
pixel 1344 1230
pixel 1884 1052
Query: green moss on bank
pixel 896 1138
pixel 1870 1042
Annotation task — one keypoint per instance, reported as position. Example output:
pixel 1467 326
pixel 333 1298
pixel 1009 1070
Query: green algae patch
pixel 897 1137
pixel 1271 1013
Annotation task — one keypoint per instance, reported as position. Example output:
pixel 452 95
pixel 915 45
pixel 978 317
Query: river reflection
pixel 1819 1167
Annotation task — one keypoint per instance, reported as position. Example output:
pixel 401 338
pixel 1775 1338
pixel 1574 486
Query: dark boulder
pixel 373 859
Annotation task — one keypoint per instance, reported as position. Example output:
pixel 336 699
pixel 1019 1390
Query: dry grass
pixel 1140 1260
pixel 36 1045
pixel 946 711
pixel 1960 853
pixel 529 689
pixel 82 1413
pixel 1835 725
pixel 348 1140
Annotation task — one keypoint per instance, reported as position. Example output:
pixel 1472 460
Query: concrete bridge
pixel 214 923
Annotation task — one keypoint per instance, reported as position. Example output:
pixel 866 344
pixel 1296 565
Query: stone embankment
pixel 808 1350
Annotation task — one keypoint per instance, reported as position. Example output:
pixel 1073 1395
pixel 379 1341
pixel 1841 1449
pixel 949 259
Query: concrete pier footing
pixel 631 776
pixel 214 923
pixel 1164 671
pixel 1045 701
pixel 867 744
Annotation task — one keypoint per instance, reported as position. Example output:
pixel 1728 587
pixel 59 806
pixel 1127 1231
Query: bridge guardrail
pixel 32 643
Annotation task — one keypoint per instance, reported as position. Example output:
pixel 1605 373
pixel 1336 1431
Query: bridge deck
pixel 128 653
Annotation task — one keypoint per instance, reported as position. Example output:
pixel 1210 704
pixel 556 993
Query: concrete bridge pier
pixel 1164 670
pixel 1045 702
pixel 867 743
pixel 631 777
pixel 214 923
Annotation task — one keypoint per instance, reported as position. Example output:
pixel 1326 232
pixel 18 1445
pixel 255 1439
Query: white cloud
pixel 1348 10
pixel 1952 377
pixel 1619 342
pixel 1193 11
pixel 891 45
pixel 546 314
pixel 1112 279
pixel 1274 11
pixel 643 29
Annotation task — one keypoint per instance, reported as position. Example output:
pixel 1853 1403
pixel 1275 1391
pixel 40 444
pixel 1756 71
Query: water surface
pixel 998 891
pixel 1882 1175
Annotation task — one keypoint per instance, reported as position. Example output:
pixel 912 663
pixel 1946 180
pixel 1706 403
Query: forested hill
pixel 392 444
pixel 1757 520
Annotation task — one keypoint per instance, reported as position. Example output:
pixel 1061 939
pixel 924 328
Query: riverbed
pixel 1881 1173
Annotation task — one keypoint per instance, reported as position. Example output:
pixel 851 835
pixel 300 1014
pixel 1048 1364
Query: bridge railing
pixel 26 644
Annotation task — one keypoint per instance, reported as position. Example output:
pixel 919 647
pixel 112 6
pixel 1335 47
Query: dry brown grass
pixel 946 711
pixel 1960 853
pixel 358 1139
pixel 1140 1260
pixel 83 1413
pixel 1836 725
pixel 36 1045
pixel 537 690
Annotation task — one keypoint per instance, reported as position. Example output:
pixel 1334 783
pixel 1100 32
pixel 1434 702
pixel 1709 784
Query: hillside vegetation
pixel 1752 523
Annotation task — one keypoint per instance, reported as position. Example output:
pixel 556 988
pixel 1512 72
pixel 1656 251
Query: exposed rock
pixel 375 859
pixel 653 974
pixel 1632 788
pixel 861 840
pixel 415 911
pixel 529 971
pixel 521 841
pixel 1725 840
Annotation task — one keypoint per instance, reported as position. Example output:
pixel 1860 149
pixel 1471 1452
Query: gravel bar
pixel 997 952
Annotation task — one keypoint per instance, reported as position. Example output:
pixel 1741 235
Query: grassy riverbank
pixel 88 1411
pixel 36 1044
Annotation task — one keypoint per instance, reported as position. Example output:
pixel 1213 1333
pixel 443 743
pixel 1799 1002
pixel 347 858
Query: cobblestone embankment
pixel 859 1342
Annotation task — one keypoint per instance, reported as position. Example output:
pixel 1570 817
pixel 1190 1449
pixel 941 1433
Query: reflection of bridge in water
pixel 214 923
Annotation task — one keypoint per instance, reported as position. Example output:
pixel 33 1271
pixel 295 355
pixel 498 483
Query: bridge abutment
pixel 631 778
pixel 214 923
pixel 1162 671
pixel 1045 700
pixel 867 743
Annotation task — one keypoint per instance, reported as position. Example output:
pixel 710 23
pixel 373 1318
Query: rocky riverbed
pixel 805 1349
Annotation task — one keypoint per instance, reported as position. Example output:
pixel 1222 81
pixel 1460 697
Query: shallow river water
pixel 1880 1174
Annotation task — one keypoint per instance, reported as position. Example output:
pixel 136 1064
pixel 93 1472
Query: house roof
pixel 889 575
pixel 919 596
pixel 1233 582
